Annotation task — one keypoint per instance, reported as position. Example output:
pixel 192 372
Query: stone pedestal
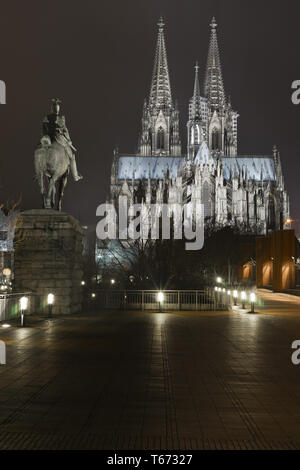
pixel 48 259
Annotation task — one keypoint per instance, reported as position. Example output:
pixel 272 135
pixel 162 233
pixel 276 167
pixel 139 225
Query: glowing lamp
pixel 252 300
pixel 23 307
pixel 23 303
pixel 235 296
pixel 243 297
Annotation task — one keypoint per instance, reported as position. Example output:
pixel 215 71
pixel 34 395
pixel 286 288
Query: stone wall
pixel 48 259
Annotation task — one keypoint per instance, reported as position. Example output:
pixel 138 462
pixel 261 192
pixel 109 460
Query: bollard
pixel 23 308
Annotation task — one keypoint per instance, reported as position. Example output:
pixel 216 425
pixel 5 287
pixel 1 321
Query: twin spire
pixel 160 93
pixel 213 85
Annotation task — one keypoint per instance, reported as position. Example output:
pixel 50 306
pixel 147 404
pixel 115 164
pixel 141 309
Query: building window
pixel 160 139
pixel 215 139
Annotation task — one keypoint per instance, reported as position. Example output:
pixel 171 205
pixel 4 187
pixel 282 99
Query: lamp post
pixel 160 298
pixel 243 297
pixel 235 296
pixel 50 301
pixel 23 308
pixel 229 297
pixel 252 300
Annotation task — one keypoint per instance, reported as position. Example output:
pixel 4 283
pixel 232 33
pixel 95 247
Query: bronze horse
pixel 51 164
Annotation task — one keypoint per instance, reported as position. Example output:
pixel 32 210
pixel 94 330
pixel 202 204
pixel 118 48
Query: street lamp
pixel 83 283
pixel 93 295
pixel 50 301
pixel 6 272
pixel 112 281
pixel 243 297
pixel 23 308
pixel 235 296
pixel 252 300
pixel 219 280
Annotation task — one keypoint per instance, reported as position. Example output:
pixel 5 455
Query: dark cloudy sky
pixel 97 56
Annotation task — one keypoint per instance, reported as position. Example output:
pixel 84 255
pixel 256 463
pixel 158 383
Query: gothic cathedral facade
pixel 246 192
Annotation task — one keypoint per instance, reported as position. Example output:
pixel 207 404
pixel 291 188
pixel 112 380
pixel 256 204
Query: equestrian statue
pixel 54 158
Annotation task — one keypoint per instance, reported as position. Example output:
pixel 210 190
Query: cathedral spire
pixel 196 95
pixel 214 87
pixel 160 93
pixel 195 106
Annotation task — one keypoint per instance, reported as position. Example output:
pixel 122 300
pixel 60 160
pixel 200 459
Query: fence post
pixel 143 300
pixel 178 299
pixel 196 300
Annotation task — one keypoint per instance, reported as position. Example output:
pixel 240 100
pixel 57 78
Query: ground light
pixel 252 301
pixel 93 295
pixel 243 297
pixel 5 325
pixel 23 308
pixel 235 296
pixel 160 298
pixel 50 301
pixel 83 283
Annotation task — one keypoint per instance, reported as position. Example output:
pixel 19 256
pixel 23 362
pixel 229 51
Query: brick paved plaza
pixel 138 380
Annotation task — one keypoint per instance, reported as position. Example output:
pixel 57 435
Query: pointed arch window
pixel 196 139
pixel 160 139
pixel 215 139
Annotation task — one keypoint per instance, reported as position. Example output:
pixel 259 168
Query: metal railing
pixel 205 300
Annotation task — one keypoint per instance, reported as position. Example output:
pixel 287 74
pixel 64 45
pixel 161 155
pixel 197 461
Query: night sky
pixel 97 57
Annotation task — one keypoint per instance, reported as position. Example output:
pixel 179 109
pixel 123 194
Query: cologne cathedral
pixel 246 192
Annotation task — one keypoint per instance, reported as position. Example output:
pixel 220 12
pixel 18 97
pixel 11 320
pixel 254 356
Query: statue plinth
pixel 48 259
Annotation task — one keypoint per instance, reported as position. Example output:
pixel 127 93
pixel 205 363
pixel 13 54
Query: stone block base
pixel 48 259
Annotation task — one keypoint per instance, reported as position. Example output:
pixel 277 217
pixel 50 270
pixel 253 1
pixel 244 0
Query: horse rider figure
pixel 54 129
